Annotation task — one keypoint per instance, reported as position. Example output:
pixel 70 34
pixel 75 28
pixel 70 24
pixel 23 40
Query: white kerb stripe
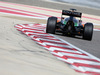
pixel 60 45
pixel 76 55
pixel 84 69
pixel 79 61
pixel 32 30
pixel 90 69
pixel 66 50
pixel 48 40
pixel 32 34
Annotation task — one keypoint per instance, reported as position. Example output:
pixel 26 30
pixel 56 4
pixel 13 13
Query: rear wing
pixel 70 13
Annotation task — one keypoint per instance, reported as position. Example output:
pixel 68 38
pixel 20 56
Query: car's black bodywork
pixel 70 26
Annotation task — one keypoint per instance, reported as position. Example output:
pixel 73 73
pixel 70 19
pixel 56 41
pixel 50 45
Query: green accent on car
pixel 76 24
pixel 65 22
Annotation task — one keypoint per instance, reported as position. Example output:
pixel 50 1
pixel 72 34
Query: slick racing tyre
pixel 51 25
pixel 88 31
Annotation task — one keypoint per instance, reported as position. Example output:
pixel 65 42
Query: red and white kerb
pixel 78 59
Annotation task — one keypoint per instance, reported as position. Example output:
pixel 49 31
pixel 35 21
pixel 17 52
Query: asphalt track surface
pixel 93 46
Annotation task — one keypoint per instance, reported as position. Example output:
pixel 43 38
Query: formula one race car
pixel 70 26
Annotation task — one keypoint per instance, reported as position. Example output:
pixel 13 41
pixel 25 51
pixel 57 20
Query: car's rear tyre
pixel 88 31
pixel 51 25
